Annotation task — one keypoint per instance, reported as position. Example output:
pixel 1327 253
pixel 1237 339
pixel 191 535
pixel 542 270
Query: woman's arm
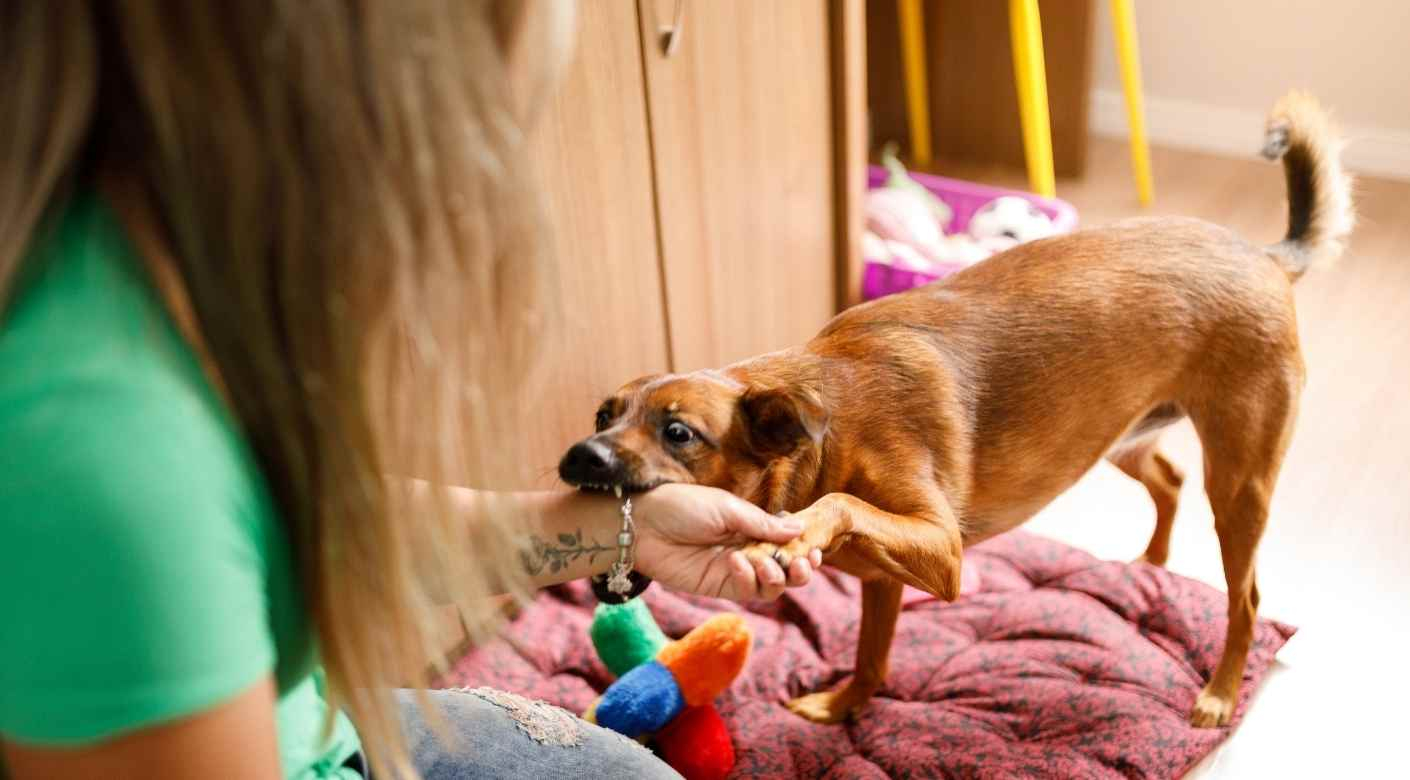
pixel 238 736
pixel 687 538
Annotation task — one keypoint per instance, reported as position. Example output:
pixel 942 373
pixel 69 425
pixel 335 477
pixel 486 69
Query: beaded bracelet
pixel 621 583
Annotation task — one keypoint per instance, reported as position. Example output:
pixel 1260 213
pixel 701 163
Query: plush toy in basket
pixel 1012 218
pixel 665 690
pixel 921 228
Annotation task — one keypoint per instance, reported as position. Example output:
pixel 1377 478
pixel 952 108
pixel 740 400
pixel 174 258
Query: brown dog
pixel 917 425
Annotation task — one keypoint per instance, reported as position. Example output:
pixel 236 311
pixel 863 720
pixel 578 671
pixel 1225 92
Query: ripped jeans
pixel 503 735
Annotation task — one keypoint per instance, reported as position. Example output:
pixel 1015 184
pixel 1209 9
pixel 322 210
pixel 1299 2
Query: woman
pixel 267 275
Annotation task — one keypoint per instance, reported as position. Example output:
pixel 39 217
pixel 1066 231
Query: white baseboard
pixel 1373 151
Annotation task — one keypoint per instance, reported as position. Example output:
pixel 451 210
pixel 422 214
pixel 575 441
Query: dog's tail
pixel 1320 214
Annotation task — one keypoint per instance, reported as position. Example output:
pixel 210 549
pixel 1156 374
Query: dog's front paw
pixel 1211 709
pixel 826 707
pixel 783 553
pixel 819 537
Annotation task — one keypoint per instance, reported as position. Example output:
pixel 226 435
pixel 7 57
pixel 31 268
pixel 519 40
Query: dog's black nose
pixel 589 462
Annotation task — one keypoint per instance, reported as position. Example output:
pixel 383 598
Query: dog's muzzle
pixel 591 463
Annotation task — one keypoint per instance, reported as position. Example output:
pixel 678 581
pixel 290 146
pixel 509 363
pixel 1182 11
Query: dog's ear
pixel 779 420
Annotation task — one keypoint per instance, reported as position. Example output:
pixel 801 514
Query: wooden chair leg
pixel 912 24
pixel 1031 79
pixel 1123 22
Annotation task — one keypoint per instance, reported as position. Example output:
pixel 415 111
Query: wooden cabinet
pixel 694 199
pixel 591 156
pixel 741 132
pixel 703 206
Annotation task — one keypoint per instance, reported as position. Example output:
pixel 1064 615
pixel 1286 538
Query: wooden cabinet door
pixel 742 139
pixel 590 152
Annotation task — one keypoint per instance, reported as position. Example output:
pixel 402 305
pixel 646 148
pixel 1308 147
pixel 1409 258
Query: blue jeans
pixel 494 734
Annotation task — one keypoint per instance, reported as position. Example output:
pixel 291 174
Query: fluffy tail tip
pixel 1320 212
pixel 1297 116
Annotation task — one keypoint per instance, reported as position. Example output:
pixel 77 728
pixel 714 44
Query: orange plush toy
pixel 665 690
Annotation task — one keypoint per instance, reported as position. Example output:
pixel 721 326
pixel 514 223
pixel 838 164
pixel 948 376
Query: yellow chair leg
pixel 1032 82
pixel 1123 22
pixel 912 23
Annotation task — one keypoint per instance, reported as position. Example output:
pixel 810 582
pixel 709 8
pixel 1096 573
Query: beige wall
pixel 1242 54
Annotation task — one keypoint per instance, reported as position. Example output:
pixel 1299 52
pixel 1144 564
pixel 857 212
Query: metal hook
pixel 671 34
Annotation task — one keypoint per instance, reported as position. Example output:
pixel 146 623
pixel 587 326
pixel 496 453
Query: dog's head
pixel 707 427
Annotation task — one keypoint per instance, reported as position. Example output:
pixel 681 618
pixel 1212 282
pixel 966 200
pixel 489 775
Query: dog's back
pixel 1064 345
pixel 959 409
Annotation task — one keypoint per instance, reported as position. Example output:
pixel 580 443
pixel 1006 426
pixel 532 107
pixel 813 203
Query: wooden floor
pixel 1335 559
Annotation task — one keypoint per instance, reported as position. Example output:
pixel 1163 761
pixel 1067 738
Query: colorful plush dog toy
pixel 665 690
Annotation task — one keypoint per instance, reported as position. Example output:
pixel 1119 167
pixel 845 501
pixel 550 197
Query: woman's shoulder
pixel 112 435
pixel 137 566
pixel 110 443
pixel 97 389
pixel 139 556
pixel 117 420
pixel 145 574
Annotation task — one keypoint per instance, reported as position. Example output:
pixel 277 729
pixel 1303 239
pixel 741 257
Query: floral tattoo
pixel 556 557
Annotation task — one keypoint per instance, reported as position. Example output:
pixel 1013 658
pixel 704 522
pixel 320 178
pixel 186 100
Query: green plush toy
pixel 625 635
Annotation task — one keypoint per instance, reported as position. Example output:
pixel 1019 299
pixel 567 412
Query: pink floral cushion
pixel 1055 665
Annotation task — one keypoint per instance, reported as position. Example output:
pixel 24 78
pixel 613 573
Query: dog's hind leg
pixel 1144 463
pixel 1244 445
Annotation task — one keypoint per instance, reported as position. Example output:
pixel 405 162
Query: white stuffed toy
pixel 1010 217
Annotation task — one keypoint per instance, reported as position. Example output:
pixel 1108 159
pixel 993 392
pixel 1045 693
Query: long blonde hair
pixel 341 186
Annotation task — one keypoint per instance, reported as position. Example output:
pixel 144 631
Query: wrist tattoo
pixel 556 555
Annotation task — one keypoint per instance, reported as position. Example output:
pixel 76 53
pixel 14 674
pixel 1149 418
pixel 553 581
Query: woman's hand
pixel 688 538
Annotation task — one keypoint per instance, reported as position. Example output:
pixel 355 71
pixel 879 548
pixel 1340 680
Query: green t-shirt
pixel 144 572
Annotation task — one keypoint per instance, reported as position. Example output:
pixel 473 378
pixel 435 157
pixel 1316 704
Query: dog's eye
pixel 603 420
pixel 679 433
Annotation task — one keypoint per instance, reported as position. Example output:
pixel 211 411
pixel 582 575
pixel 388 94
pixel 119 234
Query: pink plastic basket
pixel 964 198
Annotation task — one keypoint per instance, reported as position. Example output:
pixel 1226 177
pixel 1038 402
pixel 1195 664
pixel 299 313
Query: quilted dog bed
pixel 1053 664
